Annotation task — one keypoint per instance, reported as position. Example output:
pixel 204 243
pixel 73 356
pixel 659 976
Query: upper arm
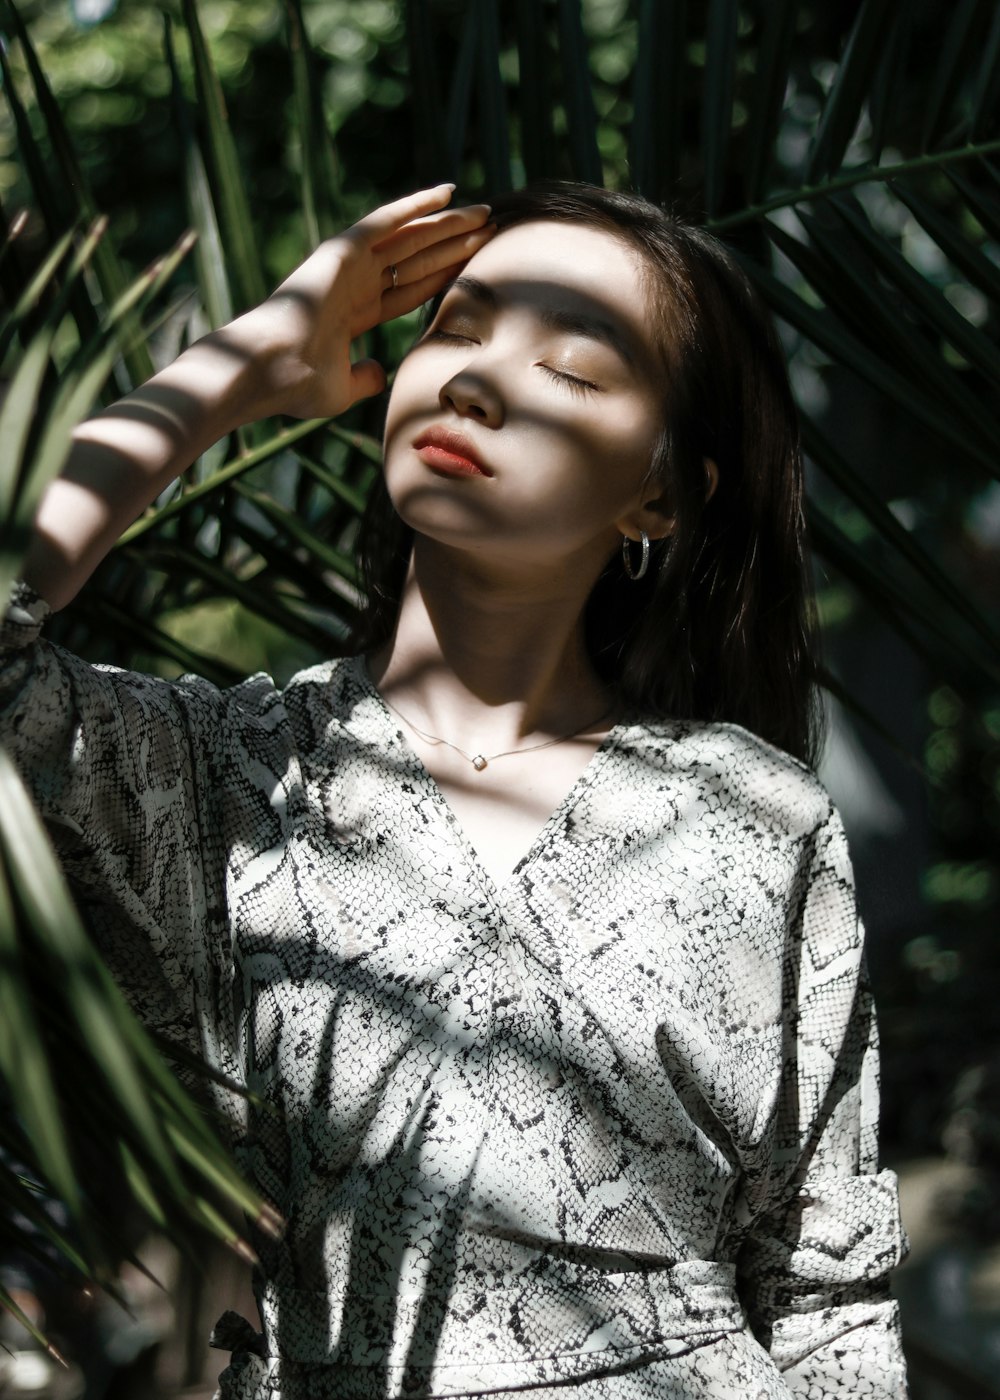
pixel 111 760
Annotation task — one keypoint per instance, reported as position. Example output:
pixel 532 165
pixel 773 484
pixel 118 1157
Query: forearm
pixel 124 457
pixel 291 355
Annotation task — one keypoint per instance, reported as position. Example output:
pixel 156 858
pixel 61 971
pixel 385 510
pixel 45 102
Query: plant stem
pixel 861 175
pixel 232 469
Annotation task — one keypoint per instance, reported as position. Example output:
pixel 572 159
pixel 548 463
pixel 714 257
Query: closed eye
pixel 452 336
pixel 572 382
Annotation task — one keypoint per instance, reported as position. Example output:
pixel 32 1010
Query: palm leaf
pixel 114 1062
pixel 849 701
pixel 534 90
pixel 333 483
pixel 104 616
pixel 888 79
pixel 43 185
pixel 987 87
pixel 848 283
pixel 957 247
pixel 320 179
pixel 71 401
pixel 10 1304
pixel 210 259
pixel 823 331
pixel 107 265
pixel 362 443
pixel 952 63
pixel 493 136
pixel 252 592
pixel 921 296
pixel 37 286
pixel 850 89
pixel 23 1063
pixel 313 592
pixel 244 265
pixel 863 174
pixel 657 88
pixel 821 451
pixel 942 651
pixel 244 462
pixel 717 97
pixel 984 206
pixel 771 81
pixel 289 524
pixel 578 93
pixel 462 83
pixel 436 159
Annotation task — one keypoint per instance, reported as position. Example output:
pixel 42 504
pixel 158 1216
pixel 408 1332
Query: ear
pixel 654 517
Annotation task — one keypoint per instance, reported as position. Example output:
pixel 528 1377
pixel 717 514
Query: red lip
pixel 449 452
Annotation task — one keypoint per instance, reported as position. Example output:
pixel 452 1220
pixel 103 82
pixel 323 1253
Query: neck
pixel 488 655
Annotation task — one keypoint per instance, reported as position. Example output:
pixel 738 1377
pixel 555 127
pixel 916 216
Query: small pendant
pixel 479 763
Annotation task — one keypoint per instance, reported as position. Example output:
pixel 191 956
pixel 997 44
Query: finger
pixel 388 217
pixel 423 233
pixel 414 294
pixel 367 378
pixel 450 253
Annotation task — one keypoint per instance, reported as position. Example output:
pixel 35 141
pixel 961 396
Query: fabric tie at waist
pixel 562 1320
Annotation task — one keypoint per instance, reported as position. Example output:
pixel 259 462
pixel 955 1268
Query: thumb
pixel 367 378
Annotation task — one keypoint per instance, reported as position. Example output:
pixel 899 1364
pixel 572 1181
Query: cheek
pixel 620 439
pixel 625 433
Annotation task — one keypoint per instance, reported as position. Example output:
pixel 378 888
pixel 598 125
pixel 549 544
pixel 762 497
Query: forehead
pixel 553 266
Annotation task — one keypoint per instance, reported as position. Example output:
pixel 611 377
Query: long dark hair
pixel 720 627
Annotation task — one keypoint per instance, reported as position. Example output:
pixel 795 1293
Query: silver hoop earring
pixel 635 574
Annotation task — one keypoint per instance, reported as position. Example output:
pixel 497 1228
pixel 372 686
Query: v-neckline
pixel 566 803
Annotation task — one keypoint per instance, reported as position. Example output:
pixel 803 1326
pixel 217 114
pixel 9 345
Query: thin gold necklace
pixel 480 761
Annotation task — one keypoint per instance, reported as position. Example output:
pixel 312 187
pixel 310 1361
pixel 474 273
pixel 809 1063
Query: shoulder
pixel 255 716
pixel 316 704
pixel 733 771
pixel 336 677
pixel 331 688
pixel 258 697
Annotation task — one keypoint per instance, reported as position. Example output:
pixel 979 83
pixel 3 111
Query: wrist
pixel 256 363
pixel 218 380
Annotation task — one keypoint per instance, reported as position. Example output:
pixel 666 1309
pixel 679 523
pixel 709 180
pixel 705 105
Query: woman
pixel 539 947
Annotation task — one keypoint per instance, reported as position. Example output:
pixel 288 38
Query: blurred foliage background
pixel 848 152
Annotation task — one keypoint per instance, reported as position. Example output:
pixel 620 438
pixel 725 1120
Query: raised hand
pixel 298 341
pixel 291 354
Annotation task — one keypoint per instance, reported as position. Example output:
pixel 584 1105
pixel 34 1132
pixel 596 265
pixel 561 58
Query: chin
pixel 438 511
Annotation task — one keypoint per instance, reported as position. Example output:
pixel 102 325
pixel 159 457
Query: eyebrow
pixel 557 318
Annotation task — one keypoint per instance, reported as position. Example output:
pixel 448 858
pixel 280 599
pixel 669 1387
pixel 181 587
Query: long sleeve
pixel 108 757
pixel 815 1263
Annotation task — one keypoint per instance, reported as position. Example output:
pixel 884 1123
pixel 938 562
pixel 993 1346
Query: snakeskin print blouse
pixel 610 1126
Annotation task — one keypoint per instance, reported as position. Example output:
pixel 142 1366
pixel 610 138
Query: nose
pixel 471 395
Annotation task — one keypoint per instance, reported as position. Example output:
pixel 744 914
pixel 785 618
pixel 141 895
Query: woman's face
pixel 524 421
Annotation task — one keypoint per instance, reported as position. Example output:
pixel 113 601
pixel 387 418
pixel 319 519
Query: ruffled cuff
pixel 840 1236
pixel 24 618
pixel 817 1286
